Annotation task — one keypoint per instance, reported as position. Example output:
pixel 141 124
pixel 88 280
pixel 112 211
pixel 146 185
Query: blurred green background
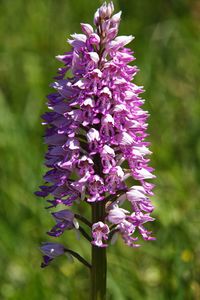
pixel 167 48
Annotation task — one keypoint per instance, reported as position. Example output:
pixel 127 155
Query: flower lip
pixel 93 135
pixel 100 231
pixel 108 150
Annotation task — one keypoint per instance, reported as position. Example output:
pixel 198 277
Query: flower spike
pixel 96 138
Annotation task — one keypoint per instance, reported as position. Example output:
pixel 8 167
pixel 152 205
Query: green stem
pixel 84 233
pixel 84 220
pixel 79 257
pixel 99 263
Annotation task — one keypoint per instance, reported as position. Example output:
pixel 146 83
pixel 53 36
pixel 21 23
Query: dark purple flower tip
pixel 46 261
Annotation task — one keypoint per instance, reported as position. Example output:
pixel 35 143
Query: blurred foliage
pixel 167 47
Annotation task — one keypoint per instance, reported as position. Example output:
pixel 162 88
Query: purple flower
pixel 50 251
pixel 100 231
pixel 95 188
pixel 139 200
pixel 107 158
pixel 96 135
pixel 64 221
pixel 126 230
pixel 117 215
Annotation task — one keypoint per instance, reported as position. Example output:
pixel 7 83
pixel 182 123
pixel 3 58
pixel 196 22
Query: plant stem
pixel 84 233
pixel 99 263
pixel 79 257
pixel 84 220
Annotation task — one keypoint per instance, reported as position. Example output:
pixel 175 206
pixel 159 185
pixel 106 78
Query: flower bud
pixel 87 29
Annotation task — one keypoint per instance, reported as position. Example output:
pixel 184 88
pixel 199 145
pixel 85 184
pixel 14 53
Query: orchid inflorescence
pixel 96 137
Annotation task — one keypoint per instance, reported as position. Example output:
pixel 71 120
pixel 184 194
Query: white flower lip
pixel 93 135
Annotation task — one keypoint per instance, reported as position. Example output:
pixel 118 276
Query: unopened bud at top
pixel 104 12
pixel 116 19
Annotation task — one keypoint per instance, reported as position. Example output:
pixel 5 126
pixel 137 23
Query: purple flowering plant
pixel 96 137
